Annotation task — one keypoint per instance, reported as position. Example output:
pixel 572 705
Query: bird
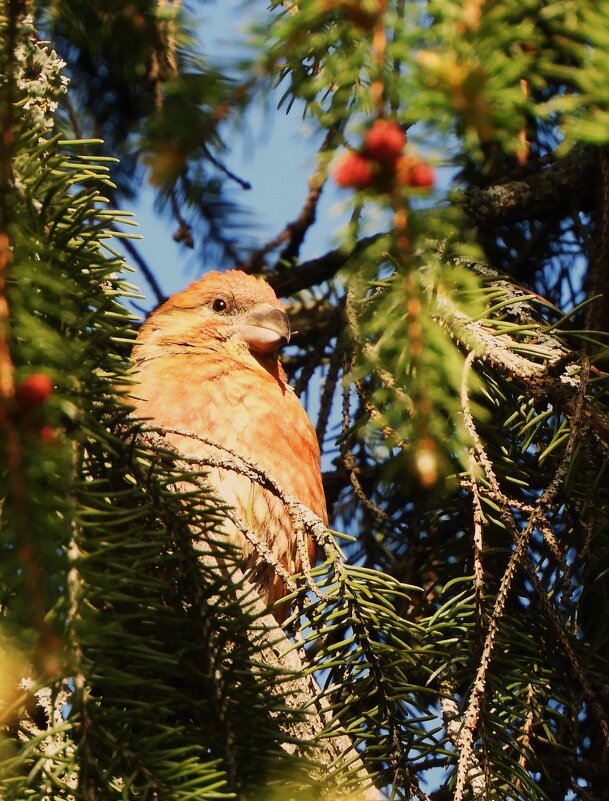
pixel 207 362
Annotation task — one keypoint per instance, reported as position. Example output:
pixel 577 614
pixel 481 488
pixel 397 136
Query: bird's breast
pixel 245 409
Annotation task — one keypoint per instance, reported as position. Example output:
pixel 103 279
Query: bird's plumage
pixel 207 363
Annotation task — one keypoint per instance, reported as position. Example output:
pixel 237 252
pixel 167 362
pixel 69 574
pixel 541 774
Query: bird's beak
pixel 265 328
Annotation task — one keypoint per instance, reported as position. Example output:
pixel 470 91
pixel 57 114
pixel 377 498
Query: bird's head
pixel 219 310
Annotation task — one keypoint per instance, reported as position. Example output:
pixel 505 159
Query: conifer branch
pixel 554 189
pixel 300 688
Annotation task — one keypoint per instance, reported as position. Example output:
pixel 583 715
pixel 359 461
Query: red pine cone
pixel 412 171
pixel 354 171
pixel 47 433
pixel 32 392
pixel 384 142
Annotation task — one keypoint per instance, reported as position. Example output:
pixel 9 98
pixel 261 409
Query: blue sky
pixel 273 151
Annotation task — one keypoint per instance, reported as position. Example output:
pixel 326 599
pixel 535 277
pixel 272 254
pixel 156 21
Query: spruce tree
pixel 451 641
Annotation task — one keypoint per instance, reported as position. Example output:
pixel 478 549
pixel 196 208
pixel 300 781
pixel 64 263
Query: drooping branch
pixel 519 557
pixel 292 236
pixel 546 373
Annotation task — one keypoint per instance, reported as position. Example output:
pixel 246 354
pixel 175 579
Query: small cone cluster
pixel 381 163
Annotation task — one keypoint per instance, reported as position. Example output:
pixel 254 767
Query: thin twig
pixel 224 169
pixel 302 517
pixel 348 458
pixel 145 269
pixel 184 232
pixel 478 521
pixel 327 394
pixel 294 232
pixel 312 361
pixel 389 433
pixel 524 738
pixel 317 271
pixel 519 556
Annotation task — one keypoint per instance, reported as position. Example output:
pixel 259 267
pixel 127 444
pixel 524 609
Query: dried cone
pixel 363 13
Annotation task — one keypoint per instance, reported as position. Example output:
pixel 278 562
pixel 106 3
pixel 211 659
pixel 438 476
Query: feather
pixel 204 365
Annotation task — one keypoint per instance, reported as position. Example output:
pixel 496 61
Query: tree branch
pixel 313 322
pixel 548 193
pixel 316 271
pixel 294 232
pixel 548 378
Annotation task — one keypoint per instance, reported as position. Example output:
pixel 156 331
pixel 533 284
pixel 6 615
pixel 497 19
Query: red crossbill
pixel 207 363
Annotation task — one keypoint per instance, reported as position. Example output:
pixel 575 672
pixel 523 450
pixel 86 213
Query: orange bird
pixel 207 363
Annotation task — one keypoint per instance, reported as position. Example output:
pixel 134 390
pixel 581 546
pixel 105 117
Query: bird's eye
pixel 219 305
